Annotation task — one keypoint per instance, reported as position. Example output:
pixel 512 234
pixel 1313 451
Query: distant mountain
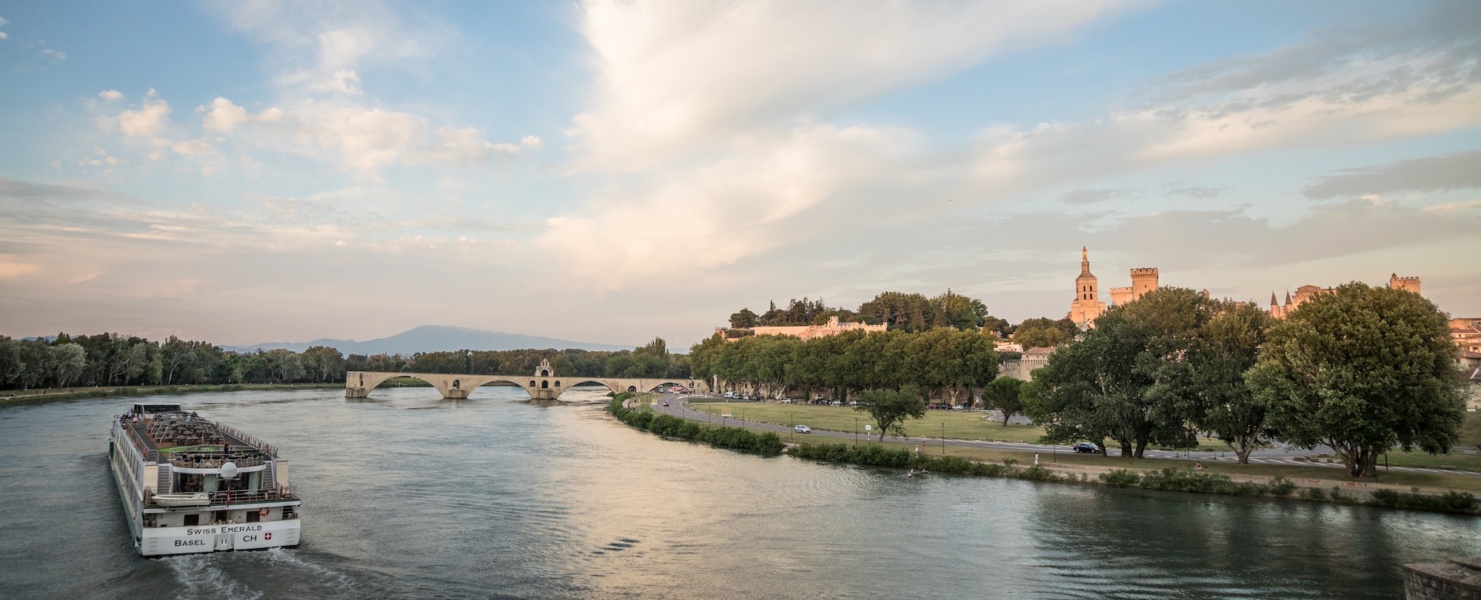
pixel 434 338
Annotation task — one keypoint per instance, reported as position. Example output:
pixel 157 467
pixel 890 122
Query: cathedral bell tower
pixel 1087 305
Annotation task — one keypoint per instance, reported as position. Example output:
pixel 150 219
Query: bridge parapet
pixel 544 384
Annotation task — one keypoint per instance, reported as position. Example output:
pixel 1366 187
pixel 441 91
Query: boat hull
pixel 165 541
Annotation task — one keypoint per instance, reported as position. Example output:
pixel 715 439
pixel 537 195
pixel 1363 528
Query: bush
pixel 1314 494
pixel 734 438
pixel 1120 478
pixel 1457 502
pixel 1280 487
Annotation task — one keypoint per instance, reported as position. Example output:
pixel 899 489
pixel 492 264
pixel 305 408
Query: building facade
pixel 1307 292
pixel 807 332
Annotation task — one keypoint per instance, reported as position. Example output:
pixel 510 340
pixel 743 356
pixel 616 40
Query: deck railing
pixel 225 499
pixel 252 441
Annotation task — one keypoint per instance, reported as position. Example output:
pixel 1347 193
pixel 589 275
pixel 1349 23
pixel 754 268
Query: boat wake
pixel 201 576
pixel 235 575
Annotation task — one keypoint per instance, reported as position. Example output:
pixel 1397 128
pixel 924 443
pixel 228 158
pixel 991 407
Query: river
pixel 410 496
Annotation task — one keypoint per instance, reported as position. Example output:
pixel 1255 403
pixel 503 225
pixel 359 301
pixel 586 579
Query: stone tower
pixel 1143 281
pixel 1408 284
pixel 1087 305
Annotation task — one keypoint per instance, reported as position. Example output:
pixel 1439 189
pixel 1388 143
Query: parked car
pixel 729 394
pixel 1086 448
pixel 665 402
pixel 837 403
pixel 802 429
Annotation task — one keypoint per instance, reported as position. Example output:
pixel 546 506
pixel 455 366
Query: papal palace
pixel 1465 332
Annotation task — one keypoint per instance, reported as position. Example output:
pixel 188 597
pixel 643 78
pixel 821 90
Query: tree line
pixel 947 360
pixel 110 359
pixel 911 313
pixel 1359 369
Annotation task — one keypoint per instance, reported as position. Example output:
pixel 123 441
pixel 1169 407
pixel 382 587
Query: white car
pixel 802 429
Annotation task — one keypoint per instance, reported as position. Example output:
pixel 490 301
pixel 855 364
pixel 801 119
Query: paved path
pixel 679 407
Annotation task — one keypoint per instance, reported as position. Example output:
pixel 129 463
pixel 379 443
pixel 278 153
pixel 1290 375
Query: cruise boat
pixel 191 485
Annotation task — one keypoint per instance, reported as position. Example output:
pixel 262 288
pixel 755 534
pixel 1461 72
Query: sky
pixel 613 171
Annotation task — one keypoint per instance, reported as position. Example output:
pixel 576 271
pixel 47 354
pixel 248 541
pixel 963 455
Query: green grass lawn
pixel 1305 476
pixel 1470 431
pixel 959 424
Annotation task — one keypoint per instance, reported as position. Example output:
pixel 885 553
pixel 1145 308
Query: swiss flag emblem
pixel 267 536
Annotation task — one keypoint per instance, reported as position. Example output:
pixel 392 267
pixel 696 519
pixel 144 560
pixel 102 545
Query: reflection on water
pixel 409 495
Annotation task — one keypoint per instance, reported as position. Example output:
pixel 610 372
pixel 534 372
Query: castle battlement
pixel 1144 271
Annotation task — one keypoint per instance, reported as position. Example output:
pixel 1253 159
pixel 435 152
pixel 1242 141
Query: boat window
pixel 192 519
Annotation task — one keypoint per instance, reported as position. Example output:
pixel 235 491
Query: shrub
pixel 1313 494
pixel 1458 502
pixel 734 438
pixel 1120 478
pixel 1280 487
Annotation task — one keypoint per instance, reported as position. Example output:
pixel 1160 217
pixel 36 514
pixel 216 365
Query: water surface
pixel 410 496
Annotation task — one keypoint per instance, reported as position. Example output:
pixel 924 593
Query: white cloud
pixel 110 95
pixel 671 74
pixel 321 45
pixel 741 206
pixel 343 82
pixel 4 35
pixel 54 55
pixel 192 147
pixel 147 120
pixel 532 141
pixel 223 116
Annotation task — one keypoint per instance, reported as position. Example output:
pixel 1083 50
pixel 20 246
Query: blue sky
pixel 611 171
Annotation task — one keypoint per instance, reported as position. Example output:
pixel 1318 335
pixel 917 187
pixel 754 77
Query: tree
pixel 1129 378
pixel 1361 370
pixel 69 360
pixel 891 408
pixel 11 366
pixel 1226 347
pixel 745 319
pixel 1042 333
pixel 1005 394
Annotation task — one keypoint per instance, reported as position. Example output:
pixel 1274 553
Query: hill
pixel 434 338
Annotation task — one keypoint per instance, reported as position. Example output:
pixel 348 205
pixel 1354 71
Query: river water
pixel 410 496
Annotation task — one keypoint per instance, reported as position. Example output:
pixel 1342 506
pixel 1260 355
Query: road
pixel 679 407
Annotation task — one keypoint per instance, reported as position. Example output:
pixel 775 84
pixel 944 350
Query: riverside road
pixel 679 407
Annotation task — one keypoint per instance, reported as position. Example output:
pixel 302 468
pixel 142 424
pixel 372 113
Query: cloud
pixel 532 141
pixel 320 46
pixel 110 95
pixel 1198 192
pixel 1089 196
pixel 148 120
pixel 54 55
pixel 743 205
pixel 1440 173
pixel 674 74
pixel 223 116
pixel 11 267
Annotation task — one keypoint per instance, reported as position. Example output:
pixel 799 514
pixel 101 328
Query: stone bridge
pixel 543 384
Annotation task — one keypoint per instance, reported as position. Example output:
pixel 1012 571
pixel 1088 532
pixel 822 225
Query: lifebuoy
pixel 262 512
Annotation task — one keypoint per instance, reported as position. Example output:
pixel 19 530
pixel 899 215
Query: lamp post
pixel 943 438
pixel 856 437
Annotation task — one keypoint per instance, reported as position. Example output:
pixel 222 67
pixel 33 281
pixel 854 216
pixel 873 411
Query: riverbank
pixel 18 398
pixel 1400 489
pixel 1189 479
